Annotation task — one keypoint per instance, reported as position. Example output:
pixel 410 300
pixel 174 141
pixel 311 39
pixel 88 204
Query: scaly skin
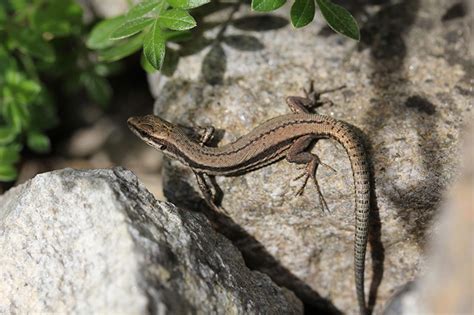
pixel 286 136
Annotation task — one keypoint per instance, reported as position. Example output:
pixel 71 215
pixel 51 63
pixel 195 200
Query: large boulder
pixel 408 90
pixel 98 242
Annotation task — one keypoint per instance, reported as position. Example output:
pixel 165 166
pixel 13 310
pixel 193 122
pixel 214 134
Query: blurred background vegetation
pixel 42 50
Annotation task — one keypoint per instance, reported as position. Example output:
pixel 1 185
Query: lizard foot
pixel 314 96
pixel 310 172
pixel 208 194
pixel 201 134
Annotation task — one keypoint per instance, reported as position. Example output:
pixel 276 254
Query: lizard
pixel 287 136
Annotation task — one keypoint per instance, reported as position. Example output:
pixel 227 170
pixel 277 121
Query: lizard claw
pixel 310 171
pixel 322 201
pixel 319 162
pixel 300 176
pixel 309 93
pixel 315 95
pixel 301 189
pixel 328 166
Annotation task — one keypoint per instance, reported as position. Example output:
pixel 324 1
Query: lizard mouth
pixel 144 131
pixel 134 125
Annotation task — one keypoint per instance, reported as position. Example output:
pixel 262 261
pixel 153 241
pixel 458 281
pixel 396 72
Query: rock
pixel 446 284
pixel 451 252
pixel 98 242
pixel 408 89
pixel 404 301
pixel 106 8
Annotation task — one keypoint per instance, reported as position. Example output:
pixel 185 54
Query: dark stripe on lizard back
pixel 264 145
pixel 248 141
pixel 253 163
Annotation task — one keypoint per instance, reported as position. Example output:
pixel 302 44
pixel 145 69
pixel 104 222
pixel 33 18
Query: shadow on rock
pixel 377 250
pixel 384 35
pixel 255 255
pixel 214 64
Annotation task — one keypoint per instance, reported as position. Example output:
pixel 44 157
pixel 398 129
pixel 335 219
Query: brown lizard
pixel 287 136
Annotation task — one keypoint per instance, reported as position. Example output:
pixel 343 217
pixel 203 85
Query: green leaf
pixel 29 86
pixel 8 173
pixel 18 94
pixel 162 6
pixel 302 12
pixel 141 9
pixel 177 19
pixel 38 142
pixel 266 5
pixel 10 154
pixel 146 65
pixel 339 19
pixel 136 19
pixel 16 115
pixel 154 46
pixel 99 38
pixel 18 89
pixel 131 27
pixel 187 4
pixel 7 134
pixel 123 49
pixel 97 87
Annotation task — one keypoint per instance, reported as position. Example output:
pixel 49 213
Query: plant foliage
pixel 40 40
pixel 151 23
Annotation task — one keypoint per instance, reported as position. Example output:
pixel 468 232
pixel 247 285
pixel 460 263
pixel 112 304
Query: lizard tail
pixel 360 169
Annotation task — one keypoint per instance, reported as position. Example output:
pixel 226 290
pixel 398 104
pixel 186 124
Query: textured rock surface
pixel 408 89
pixel 447 283
pixel 451 258
pixel 98 242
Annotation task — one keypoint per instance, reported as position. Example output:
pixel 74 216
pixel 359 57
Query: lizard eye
pixel 163 147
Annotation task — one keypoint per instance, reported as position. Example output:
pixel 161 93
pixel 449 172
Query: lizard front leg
pixel 311 100
pixel 207 193
pixel 298 154
pixel 203 135
pixel 206 134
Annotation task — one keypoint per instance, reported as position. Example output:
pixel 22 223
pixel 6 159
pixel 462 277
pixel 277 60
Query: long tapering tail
pixel 360 169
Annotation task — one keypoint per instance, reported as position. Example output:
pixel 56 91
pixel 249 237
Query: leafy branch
pixel 151 23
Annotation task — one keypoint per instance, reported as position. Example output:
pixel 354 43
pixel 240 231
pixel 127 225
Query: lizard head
pixel 155 131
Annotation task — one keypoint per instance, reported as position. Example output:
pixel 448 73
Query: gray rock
pixel 404 301
pixel 446 284
pixel 98 242
pixel 408 89
pixel 106 8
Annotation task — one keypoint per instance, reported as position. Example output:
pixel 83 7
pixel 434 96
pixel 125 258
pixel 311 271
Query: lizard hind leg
pixel 310 172
pixel 298 154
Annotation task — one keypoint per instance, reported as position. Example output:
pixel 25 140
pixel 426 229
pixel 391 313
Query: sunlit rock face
pixel 97 242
